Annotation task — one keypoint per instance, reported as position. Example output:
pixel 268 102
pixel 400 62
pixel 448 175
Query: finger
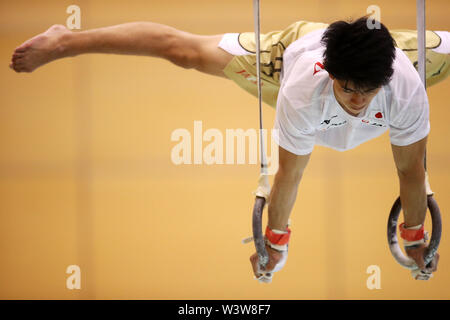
pixel 275 257
pixel 265 278
pixel 254 263
pixel 420 263
pixel 434 263
pixel 269 266
pixel 264 269
pixel 421 275
pixel 258 271
pixel 417 256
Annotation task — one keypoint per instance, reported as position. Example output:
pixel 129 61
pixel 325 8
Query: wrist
pixel 277 239
pixel 412 236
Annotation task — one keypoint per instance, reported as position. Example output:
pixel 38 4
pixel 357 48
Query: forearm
pixel 282 199
pixel 413 197
pixel 135 38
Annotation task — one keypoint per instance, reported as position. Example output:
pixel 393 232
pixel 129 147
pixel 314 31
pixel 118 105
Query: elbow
pixel 416 172
pixel 289 175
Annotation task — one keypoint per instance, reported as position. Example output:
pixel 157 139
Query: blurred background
pixel 86 176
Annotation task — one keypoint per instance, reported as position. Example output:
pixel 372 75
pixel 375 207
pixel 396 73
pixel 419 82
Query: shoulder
pixel 307 43
pixel 407 99
pixel 405 82
pixel 305 81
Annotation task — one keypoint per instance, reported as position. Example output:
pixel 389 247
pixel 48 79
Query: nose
pixel 358 99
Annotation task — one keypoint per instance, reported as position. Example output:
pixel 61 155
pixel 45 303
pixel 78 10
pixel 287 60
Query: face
pixel 351 100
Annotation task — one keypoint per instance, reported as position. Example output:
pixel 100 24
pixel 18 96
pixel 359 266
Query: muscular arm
pixel 285 186
pixel 409 161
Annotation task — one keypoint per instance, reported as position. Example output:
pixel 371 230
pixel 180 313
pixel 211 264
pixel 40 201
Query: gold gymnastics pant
pixel 242 69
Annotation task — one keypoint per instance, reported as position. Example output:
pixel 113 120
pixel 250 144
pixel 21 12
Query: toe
pixel 20 49
pixel 17 66
pixel 17 56
pixel 21 69
pixel 23 47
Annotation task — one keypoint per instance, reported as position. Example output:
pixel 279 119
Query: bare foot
pixel 39 50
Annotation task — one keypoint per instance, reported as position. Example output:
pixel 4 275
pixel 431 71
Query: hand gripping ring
pixel 401 258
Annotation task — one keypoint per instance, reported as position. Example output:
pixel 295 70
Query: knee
pixel 183 50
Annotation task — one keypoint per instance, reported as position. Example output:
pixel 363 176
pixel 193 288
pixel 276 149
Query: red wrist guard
pixel 278 239
pixel 411 235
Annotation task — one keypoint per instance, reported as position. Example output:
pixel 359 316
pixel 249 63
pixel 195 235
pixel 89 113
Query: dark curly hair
pixel 354 52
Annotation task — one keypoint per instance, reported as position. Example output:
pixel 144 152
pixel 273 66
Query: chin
pixel 357 110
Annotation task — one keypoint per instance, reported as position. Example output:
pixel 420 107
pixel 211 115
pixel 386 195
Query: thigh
pixel 438 65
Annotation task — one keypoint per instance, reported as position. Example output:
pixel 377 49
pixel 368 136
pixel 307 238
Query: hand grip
pixel 401 258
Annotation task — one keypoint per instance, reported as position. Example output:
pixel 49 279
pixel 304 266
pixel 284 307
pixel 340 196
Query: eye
pixel 348 91
pixel 370 92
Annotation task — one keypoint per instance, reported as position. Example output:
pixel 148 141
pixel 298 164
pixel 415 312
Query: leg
pixel 438 64
pixel 137 38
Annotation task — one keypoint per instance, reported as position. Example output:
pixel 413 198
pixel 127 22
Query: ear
pixel 331 77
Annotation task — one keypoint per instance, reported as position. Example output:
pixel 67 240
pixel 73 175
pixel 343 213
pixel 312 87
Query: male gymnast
pixel 336 85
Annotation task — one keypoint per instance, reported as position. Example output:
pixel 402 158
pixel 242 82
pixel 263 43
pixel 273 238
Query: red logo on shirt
pixel 379 115
pixel 318 67
pixel 249 77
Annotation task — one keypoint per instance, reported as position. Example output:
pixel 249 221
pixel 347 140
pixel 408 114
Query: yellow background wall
pixel 86 176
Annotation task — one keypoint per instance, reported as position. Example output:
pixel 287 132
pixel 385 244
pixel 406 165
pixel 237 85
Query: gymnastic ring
pixel 258 238
pixel 398 254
